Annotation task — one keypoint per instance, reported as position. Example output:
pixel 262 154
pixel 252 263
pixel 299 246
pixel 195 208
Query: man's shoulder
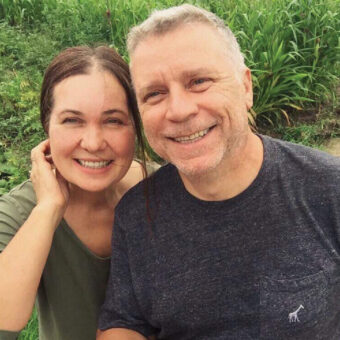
pixel 297 155
pixel 144 192
pixel 302 170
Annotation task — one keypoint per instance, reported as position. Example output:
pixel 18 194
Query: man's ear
pixel 248 88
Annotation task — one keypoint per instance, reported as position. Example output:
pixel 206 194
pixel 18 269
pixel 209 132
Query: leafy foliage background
pixel 291 46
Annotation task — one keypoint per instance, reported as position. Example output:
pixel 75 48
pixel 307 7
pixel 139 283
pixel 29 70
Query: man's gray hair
pixel 163 21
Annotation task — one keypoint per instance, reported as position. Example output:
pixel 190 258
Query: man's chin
pixel 194 168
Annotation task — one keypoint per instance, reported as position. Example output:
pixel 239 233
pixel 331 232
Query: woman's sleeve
pixel 120 308
pixel 7 335
pixel 152 167
pixel 15 207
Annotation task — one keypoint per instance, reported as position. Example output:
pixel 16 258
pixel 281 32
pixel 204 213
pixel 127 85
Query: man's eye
pixel 152 95
pixel 200 84
pixel 199 81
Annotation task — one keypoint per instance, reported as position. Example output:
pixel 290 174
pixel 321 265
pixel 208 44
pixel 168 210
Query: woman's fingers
pixel 48 185
pixel 41 170
pixel 41 151
pixel 39 162
pixel 38 155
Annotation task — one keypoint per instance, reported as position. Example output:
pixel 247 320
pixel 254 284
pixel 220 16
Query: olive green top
pixel 73 282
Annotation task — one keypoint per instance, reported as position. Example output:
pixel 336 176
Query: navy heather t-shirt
pixel 262 265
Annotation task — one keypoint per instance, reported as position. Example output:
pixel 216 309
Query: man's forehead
pixel 183 33
pixel 182 45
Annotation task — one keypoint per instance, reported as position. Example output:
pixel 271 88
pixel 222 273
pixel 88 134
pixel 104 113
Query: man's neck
pixel 231 177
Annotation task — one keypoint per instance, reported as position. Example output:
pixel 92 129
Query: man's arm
pixel 120 314
pixel 120 334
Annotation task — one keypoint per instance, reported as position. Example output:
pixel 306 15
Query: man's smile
pixel 192 137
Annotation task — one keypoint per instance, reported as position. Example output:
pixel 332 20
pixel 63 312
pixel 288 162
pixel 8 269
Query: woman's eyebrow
pixel 110 111
pixel 76 112
pixel 79 113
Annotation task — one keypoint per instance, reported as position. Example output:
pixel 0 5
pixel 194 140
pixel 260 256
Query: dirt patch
pixel 333 146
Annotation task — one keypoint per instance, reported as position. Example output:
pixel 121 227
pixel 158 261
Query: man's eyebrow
pixel 144 90
pixel 197 72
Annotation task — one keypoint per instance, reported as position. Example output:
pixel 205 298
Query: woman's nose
pixel 93 139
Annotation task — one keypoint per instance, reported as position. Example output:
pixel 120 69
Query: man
pixel 239 235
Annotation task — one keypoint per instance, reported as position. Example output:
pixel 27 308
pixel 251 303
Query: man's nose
pixel 93 139
pixel 181 105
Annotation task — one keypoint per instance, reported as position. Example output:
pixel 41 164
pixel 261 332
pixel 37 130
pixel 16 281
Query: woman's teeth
pixel 192 138
pixel 94 165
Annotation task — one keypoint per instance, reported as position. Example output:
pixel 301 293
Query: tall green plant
pixel 291 46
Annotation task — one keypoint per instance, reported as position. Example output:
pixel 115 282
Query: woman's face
pixel 90 130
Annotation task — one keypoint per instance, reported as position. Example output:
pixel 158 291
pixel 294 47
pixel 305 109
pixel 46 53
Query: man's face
pixel 192 99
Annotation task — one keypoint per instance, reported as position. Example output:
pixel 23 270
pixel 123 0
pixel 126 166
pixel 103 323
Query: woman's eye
pixel 115 121
pixel 71 120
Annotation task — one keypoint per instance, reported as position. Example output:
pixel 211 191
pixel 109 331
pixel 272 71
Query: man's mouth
pixel 93 165
pixel 194 137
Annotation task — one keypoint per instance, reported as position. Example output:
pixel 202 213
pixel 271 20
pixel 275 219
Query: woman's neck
pixel 106 199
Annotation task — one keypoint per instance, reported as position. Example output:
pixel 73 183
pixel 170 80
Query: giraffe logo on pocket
pixel 293 316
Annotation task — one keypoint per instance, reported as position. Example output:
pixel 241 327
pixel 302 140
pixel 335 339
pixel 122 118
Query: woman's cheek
pixel 125 144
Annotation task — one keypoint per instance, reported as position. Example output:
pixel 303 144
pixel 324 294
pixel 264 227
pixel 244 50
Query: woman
pixel 55 230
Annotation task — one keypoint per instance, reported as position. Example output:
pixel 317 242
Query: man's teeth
pixel 94 165
pixel 193 137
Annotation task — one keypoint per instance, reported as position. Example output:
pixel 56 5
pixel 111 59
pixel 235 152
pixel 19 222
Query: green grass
pixel 24 56
pixel 313 130
pixel 31 331
pixel 292 48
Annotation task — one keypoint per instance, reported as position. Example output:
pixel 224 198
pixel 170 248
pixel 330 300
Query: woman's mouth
pixel 94 164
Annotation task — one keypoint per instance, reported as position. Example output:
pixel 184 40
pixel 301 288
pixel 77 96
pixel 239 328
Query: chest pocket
pixel 298 308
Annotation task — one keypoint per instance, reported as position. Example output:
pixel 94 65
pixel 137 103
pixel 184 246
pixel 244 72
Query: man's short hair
pixel 163 21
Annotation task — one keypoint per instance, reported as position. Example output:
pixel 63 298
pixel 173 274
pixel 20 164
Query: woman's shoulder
pixel 137 173
pixel 15 207
pixel 152 167
pixel 134 175
pixel 22 193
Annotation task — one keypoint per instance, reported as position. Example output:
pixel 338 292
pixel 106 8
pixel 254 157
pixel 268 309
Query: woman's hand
pixel 49 186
